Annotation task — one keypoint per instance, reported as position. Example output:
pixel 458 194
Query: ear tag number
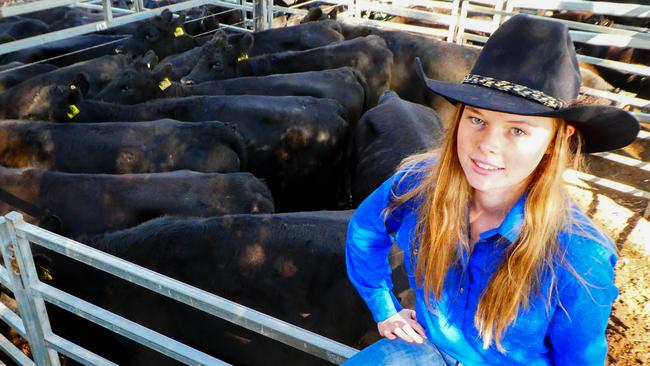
pixel 72 111
pixel 178 32
pixel 242 57
pixel 165 83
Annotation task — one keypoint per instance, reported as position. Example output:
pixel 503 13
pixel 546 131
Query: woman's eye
pixel 476 121
pixel 517 131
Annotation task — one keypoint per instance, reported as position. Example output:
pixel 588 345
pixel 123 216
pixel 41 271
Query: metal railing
pixel 19 275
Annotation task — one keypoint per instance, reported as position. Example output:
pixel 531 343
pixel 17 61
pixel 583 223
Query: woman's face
pixel 498 151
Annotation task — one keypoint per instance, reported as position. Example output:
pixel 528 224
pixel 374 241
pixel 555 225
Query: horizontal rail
pixel 4 278
pixel 13 352
pixel 622 66
pixel 124 327
pixel 573 175
pixel 620 98
pixel 598 7
pixel 396 26
pixel 635 163
pixel 76 352
pixel 28 7
pixel 616 40
pixel 307 341
pixel 12 319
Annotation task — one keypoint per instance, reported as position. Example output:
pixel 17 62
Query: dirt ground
pixel 621 216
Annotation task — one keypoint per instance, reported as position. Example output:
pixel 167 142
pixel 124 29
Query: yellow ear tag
pixel 73 87
pixel 164 84
pixel 72 111
pixel 242 57
pixel 44 274
pixel 178 32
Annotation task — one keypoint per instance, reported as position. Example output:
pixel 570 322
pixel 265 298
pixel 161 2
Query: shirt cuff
pixel 383 305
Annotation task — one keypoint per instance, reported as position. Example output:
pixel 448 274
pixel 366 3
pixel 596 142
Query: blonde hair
pixel 443 237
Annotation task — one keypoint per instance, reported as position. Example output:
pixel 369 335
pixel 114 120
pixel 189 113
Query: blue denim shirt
pixel 546 333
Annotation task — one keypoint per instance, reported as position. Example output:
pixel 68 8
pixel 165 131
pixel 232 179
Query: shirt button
pixel 462 290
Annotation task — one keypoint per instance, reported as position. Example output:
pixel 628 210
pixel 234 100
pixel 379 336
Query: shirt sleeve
pixel 577 330
pixel 366 252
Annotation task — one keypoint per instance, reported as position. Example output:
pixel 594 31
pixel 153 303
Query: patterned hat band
pixel 515 89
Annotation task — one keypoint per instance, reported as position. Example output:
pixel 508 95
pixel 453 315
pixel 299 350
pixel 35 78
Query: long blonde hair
pixel 443 237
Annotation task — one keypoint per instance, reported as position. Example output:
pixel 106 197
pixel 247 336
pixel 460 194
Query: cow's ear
pixel 150 59
pixel 166 16
pixel 80 84
pixel 332 14
pixel 312 15
pixel 245 44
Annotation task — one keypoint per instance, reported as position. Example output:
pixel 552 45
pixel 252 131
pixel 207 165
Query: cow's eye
pixel 125 88
pixel 217 65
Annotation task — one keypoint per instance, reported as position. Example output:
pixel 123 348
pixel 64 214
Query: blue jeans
pixel 399 352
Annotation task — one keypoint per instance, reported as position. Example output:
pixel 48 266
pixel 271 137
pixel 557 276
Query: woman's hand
pixel 403 325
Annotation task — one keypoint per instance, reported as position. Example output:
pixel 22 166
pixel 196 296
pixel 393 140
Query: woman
pixel 506 269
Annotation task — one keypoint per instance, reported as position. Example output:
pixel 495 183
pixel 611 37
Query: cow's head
pixel 137 83
pixel 163 34
pixel 53 102
pixel 219 58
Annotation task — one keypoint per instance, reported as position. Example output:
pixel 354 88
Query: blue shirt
pixel 572 333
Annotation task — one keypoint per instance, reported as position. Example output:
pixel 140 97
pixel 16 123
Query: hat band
pixel 516 89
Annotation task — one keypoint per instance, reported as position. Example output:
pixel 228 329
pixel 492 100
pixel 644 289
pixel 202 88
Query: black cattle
pixel 385 135
pixel 88 204
pixel 163 34
pixel 290 266
pixel 441 60
pixel 23 28
pixel 122 147
pixel 14 73
pixel 369 55
pixel 294 142
pixel 47 96
pixel 96 44
pixel 139 83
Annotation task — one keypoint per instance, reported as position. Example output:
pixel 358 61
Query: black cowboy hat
pixel 529 66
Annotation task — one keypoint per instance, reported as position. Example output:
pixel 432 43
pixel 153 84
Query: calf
pixel 369 55
pixel 14 73
pixel 122 147
pixel 387 134
pixel 90 204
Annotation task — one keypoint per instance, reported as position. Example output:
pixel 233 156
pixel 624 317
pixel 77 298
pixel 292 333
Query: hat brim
pixel 603 127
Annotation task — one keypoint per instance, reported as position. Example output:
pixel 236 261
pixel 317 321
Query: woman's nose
pixel 490 141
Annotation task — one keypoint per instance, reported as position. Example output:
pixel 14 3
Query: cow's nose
pixel 119 50
pixel 187 81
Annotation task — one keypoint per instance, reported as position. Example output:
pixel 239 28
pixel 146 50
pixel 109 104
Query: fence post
pixel 260 10
pixel 461 22
pixel 453 24
pixel 18 260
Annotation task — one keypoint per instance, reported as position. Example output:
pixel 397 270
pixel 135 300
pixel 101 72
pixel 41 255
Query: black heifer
pixel 122 147
pixel 163 34
pixel 369 55
pixel 385 135
pixel 290 266
pixel 294 142
pixel 441 60
pixel 138 83
pixel 96 203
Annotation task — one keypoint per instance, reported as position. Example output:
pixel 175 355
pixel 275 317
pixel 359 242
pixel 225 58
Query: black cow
pixel 163 34
pixel 441 60
pixel 23 28
pixel 122 147
pixel 369 55
pixel 290 266
pixel 14 73
pixel 294 142
pixel 47 96
pixel 86 204
pixel 139 83
pixel 385 135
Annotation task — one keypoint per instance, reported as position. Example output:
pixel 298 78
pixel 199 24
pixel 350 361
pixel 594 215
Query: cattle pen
pixel 462 22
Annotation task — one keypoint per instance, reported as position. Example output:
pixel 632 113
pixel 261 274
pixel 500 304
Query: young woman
pixel 505 268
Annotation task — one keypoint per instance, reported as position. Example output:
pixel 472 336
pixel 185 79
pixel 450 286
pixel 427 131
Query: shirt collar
pixel 511 225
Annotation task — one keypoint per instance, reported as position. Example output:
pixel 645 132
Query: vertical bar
pixel 453 24
pixel 17 257
pixel 108 10
pixel 260 8
pixel 461 22
pixel 497 18
pixel 138 5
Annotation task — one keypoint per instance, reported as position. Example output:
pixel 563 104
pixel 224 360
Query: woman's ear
pixel 570 130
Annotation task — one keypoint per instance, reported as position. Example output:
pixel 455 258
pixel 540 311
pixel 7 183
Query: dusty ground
pixel 621 216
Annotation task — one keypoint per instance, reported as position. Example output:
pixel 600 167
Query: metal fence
pixel 19 275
